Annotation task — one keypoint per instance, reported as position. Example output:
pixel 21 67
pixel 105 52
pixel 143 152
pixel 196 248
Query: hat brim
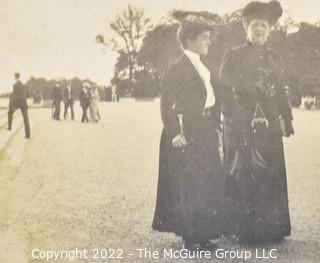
pixel 202 20
pixel 199 26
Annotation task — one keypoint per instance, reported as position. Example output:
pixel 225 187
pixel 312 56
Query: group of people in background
pixel 89 99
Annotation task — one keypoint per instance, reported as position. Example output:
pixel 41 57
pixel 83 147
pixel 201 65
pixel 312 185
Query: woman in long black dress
pixel 256 116
pixel 190 172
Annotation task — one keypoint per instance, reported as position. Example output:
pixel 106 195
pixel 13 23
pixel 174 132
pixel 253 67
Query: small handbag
pixel 259 119
pixel 252 155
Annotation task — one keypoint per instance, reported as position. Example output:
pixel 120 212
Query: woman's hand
pixel 289 128
pixel 286 127
pixel 179 141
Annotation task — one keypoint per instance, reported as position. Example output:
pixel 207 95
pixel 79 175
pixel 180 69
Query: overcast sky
pixel 56 38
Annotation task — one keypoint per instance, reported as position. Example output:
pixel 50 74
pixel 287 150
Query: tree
pixel 129 27
pixel 160 48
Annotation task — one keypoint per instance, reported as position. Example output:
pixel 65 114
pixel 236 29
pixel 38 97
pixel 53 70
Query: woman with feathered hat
pixel 190 171
pixel 256 116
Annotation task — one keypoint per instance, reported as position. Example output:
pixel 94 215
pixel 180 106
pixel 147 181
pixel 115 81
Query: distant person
pixel 18 100
pixel 68 96
pixel 37 98
pixel 84 101
pixel 94 100
pixel 57 98
pixel 114 93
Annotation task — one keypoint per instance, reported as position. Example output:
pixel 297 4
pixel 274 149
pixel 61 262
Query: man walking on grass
pixel 18 100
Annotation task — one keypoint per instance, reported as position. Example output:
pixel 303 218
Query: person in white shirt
pixel 94 107
pixel 114 93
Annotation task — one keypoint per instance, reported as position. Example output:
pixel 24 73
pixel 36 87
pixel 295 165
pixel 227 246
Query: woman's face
pixel 258 31
pixel 200 44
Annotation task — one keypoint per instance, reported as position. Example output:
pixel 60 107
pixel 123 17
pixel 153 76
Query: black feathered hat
pixel 202 20
pixel 270 11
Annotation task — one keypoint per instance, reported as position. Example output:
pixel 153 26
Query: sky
pixel 56 38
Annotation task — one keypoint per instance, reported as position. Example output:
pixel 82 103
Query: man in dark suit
pixel 56 97
pixel 68 97
pixel 18 99
pixel 84 101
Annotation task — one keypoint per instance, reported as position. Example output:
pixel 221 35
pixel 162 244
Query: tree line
pixel 44 87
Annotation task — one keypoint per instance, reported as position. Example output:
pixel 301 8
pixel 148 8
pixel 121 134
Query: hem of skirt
pixel 277 239
pixel 167 230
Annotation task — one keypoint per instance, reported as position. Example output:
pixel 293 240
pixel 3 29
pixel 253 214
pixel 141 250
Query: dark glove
pixel 288 128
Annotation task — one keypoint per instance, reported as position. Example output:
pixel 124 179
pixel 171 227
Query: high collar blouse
pixel 204 74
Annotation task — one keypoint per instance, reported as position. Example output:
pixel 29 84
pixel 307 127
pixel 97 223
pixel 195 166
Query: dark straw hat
pixel 270 11
pixel 202 20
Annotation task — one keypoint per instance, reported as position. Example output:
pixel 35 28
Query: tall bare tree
pixel 130 26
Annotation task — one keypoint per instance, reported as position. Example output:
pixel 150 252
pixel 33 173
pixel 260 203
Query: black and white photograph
pixel 159 131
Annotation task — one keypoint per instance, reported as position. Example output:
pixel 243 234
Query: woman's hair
pixel 188 32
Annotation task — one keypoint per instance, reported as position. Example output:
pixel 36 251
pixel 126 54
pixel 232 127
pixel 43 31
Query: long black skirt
pixel 257 195
pixel 190 190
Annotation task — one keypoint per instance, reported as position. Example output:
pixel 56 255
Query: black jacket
pixel 240 71
pixel 19 95
pixel 84 98
pixel 185 94
pixel 57 93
